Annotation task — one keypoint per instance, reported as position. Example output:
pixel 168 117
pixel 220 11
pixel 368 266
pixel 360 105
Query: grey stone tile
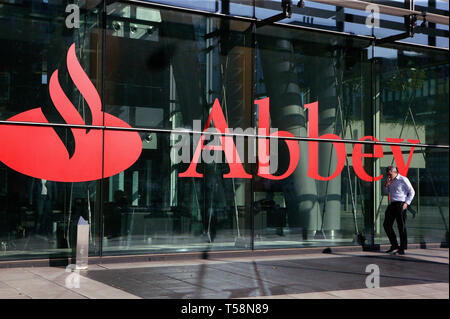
pixel 61 294
pixel 15 297
pixel 408 297
pixel 3 285
pixel 71 294
pixel 273 277
pixel 183 276
pixel 273 297
pixel 243 292
pixel 6 293
pixel 314 295
pixel 38 288
pixel 16 274
pixel 352 294
pixel 298 289
pixel 151 293
pixel 48 273
pixel 222 295
pixel 93 290
pixel 387 292
pixel 172 283
pixel 436 296
pixel 417 289
pixel 443 287
pixel 32 284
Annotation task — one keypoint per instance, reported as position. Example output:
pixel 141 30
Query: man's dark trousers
pixel 395 212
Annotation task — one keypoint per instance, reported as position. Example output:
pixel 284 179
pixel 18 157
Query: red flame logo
pixel 39 152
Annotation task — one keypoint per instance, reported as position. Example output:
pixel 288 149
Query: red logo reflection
pixel 39 152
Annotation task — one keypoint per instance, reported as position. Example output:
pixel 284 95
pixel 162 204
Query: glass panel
pixel 165 68
pixel 420 118
pixel 427 216
pixel 414 116
pixel 206 5
pixel 317 88
pixel 331 16
pixel 48 71
pixel 230 7
pixel 151 208
pixel 296 68
pixel 38 216
pixel 312 212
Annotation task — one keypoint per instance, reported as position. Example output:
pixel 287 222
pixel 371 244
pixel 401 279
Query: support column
pixel 288 114
pixel 377 186
pixel 326 88
pixel 179 48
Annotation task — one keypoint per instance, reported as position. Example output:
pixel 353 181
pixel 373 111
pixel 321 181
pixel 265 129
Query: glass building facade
pixel 143 79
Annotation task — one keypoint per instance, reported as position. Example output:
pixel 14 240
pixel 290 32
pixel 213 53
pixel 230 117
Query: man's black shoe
pixel 391 249
pixel 400 252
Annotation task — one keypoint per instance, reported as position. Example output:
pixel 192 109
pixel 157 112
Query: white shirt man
pixel 400 190
pixel 401 194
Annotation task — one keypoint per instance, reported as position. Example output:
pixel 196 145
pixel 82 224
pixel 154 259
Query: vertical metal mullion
pixel 252 121
pixel 372 105
pixel 102 183
pixel 376 122
pixel 432 26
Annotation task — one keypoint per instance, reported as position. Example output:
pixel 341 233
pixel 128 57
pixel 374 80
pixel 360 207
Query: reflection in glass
pixel 150 208
pixel 163 70
pixel 39 217
pixel 419 111
pixel 296 71
pixel 35 48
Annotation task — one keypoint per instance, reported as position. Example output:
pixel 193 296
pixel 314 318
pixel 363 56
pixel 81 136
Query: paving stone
pixel 443 287
pixel 3 285
pixel 387 292
pixel 419 274
pixel 315 295
pixel 353 294
pixel 16 274
pixel 418 289
pixel 6 293
pixel 274 297
pixel 436 296
pixel 290 276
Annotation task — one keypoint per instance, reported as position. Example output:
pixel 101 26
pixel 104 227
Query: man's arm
pixel 386 186
pixel 410 191
pixel 386 190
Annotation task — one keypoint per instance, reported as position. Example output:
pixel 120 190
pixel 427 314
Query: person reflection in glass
pixel 113 214
pixel 42 194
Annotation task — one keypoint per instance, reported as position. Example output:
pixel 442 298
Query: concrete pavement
pixel 420 274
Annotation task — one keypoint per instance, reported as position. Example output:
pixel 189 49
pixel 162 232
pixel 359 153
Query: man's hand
pixel 388 182
pixel 405 206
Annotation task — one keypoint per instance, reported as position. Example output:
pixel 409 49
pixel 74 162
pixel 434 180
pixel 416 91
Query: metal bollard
pixel 82 244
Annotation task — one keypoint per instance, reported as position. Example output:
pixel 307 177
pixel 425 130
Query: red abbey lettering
pixel 402 168
pixel 227 145
pixel 358 155
pixel 313 132
pixel 235 164
pixel 264 149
